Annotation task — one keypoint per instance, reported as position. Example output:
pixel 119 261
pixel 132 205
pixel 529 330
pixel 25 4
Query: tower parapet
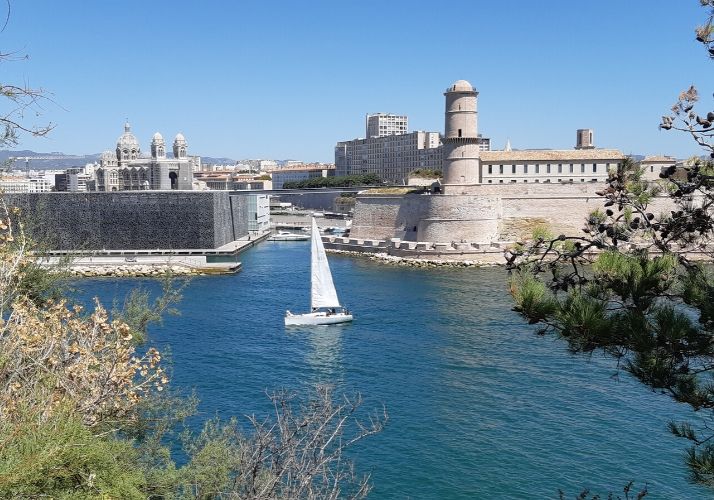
pixel 461 142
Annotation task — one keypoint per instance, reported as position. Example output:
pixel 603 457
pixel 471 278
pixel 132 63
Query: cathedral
pixel 127 170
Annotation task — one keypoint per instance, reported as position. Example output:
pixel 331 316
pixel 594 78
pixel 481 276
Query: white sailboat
pixel 326 308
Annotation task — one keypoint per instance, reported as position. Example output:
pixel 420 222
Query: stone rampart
pixel 132 219
pixel 487 213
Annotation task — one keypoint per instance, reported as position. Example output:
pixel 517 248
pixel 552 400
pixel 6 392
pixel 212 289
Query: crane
pixel 27 159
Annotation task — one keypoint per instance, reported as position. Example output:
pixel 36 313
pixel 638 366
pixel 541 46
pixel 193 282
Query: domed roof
pixel 180 138
pixel 462 85
pixel 127 140
pixel 108 155
pixel 157 137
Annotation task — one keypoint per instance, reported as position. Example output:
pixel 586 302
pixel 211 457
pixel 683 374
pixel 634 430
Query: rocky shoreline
pixel 141 271
pixel 414 261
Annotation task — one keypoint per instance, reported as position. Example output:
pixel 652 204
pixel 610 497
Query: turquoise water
pixel 479 406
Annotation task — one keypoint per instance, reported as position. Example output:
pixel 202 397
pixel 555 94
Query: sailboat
pixel 326 308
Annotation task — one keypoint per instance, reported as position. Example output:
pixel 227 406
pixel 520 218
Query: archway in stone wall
pixel 174 180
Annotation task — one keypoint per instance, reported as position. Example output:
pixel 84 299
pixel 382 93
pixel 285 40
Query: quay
pixel 143 262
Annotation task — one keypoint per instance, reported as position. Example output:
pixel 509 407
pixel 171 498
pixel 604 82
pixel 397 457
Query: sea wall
pixel 487 213
pixel 133 219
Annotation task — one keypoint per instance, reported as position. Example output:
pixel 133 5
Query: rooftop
pixel 552 155
pixel 658 158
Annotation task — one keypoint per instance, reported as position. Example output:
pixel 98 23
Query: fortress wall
pixel 456 218
pixel 486 214
pixel 382 217
pixel 127 220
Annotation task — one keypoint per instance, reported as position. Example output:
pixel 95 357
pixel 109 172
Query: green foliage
pixel 335 181
pixel 61 458
pixel 426 173
pixel 139 311
pixel 542 232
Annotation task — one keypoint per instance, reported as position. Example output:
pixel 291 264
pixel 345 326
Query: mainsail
pixel 323 289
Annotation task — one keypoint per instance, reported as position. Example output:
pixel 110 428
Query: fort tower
pixel 461 142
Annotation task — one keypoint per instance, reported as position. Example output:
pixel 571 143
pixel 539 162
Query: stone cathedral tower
pixel 461 163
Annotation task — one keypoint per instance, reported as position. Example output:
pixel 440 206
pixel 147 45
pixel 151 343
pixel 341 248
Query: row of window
pixel 548 167
pixel 546 181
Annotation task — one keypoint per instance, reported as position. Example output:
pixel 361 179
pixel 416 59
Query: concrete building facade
pixel 383 124
pixel 390 157
pixel 301 172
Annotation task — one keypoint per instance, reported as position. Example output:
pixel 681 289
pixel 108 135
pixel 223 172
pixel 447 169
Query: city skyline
pixel 249 80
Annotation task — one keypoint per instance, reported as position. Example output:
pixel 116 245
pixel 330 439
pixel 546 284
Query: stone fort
pixel 491 196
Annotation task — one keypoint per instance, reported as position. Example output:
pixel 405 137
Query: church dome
pixel 108 155
pixel 461 85
pixel 179 138
pixel 157 138
pixel 127 140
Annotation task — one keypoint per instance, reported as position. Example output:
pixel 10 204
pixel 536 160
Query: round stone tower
pixel 461 143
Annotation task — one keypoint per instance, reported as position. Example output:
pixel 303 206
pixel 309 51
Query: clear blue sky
pixel 288 79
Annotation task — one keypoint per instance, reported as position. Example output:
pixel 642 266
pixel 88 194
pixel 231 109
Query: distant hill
pixel 62 160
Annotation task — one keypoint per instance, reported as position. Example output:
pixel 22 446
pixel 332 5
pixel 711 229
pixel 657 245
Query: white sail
pixel 323 289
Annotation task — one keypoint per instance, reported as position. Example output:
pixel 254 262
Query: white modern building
pixel 390 157
pixel 22 184
pixel 258 213
pixel 383 124
pixel 301 172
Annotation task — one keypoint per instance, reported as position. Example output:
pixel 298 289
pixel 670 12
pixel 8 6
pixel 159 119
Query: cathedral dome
pixel 127 140
pixel 157 138
pixel 179 138
pixel 461 85
pixel 108 155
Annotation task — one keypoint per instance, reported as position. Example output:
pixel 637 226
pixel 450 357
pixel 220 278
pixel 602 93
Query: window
pixel 582 180
pixel 501 181
pixel 525 180
pixel 571 168
pixel 525 169
pixel 500 169
pixel 547 180
pixel 490 169
pixel 594 167
pixel 560 180
pixel 560 169
pixel 651 168
pixel 490 181
pixel 537 180
pixel 537 168
pixel 582 168
pixel 547 168
pixel 513 169
pixel 513 180
pixel 593 180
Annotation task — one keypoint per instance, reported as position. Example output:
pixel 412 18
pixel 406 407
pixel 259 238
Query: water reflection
pixel 323 352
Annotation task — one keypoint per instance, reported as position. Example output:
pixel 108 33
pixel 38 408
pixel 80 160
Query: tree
pixel 634 285
pixel 22 103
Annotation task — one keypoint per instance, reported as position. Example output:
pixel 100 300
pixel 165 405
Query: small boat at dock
pixel 288 236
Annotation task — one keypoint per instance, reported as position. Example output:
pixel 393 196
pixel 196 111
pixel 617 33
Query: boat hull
pixel 319 318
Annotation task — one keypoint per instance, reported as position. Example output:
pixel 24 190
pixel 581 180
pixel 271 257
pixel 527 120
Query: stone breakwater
pixel 145 271
pixel 415 261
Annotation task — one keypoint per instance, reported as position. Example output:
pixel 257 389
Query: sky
pixel 288 79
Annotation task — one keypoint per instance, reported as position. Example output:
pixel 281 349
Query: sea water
pixel 479 406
